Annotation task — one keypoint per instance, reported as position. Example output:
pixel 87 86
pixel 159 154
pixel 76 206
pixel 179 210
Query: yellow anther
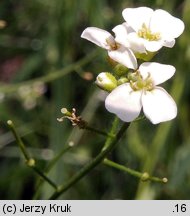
pixel 138 83
pixel 146 33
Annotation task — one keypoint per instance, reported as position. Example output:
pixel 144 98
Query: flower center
pixel 112 43
pixel 138 83
pixel 146 33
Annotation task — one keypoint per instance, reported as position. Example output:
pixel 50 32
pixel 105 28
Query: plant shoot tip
pixel 71 143
pixel 64 110
pixel 9 122
pixel 165 180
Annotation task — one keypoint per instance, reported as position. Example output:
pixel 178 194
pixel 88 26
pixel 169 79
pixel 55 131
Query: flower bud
pixel 106 81
pixel 120 70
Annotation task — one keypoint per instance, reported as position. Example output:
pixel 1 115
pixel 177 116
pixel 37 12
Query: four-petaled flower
pixel 116 51
pixel 142 91
pixel 153 29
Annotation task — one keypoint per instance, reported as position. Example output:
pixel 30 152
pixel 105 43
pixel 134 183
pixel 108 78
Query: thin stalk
pixel 57 157
pixel 143 176
pixel 140 118
pixel 19 140
pixel 44 177
pixel 108 147
pixel 99 131
pixel 81 123
pixel 54 160
pixel 49 167
pixel 30 162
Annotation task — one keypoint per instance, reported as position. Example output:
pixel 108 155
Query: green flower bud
pixel 120 70
pixel 122 80
pixel 106 81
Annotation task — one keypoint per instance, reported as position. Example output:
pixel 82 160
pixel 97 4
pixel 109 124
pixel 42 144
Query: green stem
pixel 140 118
pixel 57 157
pixel 99 131
pixel 19 141
pixel 143 176
pixel 49 167
pixel 112 131
pixel 82 124
pixel 30 162
pixel 108 147
pixel 44 177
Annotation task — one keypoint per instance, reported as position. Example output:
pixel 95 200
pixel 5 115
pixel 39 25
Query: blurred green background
pixel 41 38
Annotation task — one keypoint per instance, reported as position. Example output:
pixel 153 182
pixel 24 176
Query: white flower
pixel 127 99
pixel 154 29
pixel 116 51
pixel 124 35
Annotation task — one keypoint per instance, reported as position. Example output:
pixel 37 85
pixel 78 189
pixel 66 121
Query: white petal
pixel 98 36
pixel 169 42
pixel 124 102
pixel 122 28
pixel 135 17
pixel 158 72
pixel 121 32
pixel 153 46
pixel 158 105
pixel 136 44
pixel 124 56
pixel 127 37
pixel 166 24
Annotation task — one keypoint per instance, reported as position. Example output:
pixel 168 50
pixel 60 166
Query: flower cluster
pixel 132 87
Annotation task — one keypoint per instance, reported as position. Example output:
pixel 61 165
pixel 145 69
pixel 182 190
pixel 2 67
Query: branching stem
pixel 143 176
pixel 108 147
pixel 30 162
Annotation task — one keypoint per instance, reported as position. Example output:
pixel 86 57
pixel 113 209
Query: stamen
pixel 146 33
pixel 138 83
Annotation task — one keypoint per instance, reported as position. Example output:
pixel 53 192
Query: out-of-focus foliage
pixel 42 37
